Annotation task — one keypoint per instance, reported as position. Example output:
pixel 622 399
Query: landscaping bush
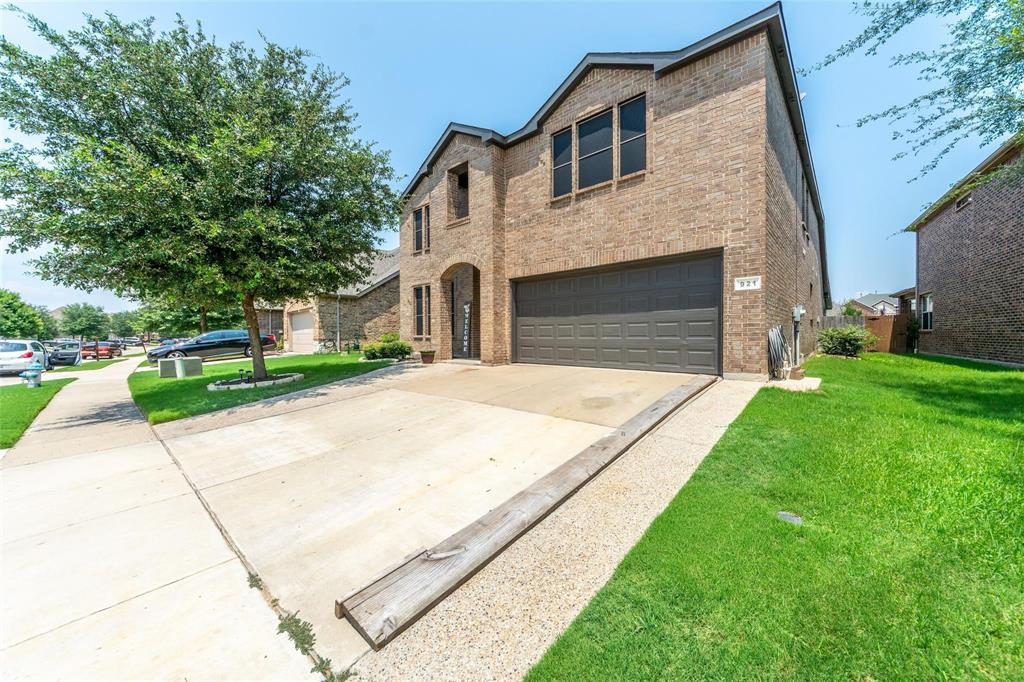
pixel 849 341
pixel 389 346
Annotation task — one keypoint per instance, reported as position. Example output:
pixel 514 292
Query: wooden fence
pixel 891 330
pixel 842 321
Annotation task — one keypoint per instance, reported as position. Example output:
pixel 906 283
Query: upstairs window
pixel 963 202
pixel 633 136
pixel 561 158
pixel 421 300
pixel 926 312
pixel 421 229
pixel 594 150
pixel 458 192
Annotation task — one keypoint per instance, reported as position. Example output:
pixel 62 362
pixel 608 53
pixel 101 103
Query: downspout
pixel 337 322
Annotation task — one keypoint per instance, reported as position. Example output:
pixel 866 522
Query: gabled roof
pixel 871 300
pixel 1001 155
pixel 661 63
pixel 383 269
pixel 769 19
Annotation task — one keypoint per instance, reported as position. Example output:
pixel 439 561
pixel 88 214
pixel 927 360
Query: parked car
pixel 66 353
pixel 131 341
pixel 105 349
pixel 215 344
pixel 17 354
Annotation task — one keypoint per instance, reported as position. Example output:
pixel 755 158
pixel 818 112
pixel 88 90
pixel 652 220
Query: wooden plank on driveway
pixel 396 600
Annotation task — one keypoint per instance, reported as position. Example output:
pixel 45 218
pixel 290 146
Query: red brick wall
pixel 972 262
pixel 705 189
pixel 793 262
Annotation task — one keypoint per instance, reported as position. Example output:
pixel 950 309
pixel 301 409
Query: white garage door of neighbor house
pixel 302 332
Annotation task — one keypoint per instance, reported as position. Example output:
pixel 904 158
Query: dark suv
pixel 215 344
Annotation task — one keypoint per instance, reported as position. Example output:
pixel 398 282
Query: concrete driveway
pixel 323 493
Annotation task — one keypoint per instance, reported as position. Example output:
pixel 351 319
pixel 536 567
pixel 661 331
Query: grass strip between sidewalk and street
pixel 164 400
pixel 907 472
pixel 19 406
pixel 88 365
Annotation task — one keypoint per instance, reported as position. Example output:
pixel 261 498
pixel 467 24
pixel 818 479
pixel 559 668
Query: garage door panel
pixel 664 317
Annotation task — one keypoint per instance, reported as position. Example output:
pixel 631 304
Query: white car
pixel 17 354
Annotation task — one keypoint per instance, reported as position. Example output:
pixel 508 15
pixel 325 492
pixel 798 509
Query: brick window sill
pixel 460 221
pixel 420 252
pixel 632 176
pixel 594 188
pixel 421 338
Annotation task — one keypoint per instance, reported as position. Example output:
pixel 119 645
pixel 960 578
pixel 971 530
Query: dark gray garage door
pixel 662 317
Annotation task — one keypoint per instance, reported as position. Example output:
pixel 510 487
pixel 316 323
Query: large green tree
pixel 173 319
pixel 124 323
pixel 51 328
pixel 169 167
pixel 974 83
pixel 85 321
pixel 17 318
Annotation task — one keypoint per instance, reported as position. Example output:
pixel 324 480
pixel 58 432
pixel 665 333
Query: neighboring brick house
pixel 970 267
pixel 367 311
pixel 660 211
pixel 876 304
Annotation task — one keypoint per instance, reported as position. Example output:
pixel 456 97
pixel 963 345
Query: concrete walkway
pixel 111 566
pixel 497 625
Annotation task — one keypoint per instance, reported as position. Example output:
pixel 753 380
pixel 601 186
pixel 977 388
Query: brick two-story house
pixel 660 211
pixel 970 266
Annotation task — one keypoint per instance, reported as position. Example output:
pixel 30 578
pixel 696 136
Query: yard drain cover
pixel 791 518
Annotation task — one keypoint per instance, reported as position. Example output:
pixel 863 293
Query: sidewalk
pixel 111 567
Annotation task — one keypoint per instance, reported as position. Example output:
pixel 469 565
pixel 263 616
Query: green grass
pixel 20 405
pixel 164 400
pixel 88 365
pixel 909 473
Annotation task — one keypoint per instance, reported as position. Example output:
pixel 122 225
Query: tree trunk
pixel 252 323
pixel 203 325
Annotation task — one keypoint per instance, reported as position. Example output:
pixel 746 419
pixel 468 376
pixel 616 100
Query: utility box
pixel 166 368
pixel 188 367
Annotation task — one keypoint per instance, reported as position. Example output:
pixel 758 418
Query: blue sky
pixel 416 66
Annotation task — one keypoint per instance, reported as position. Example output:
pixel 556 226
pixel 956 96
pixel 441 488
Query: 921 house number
pixel 748 283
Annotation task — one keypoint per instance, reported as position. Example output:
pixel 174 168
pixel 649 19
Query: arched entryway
pixel 460 312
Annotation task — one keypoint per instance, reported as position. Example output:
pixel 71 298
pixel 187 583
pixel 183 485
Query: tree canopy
pixel 51 328
pixel 171 319
pixel 17 318
pixel 170 167
pixel 975 81
pixel 124 323
pixel 85 321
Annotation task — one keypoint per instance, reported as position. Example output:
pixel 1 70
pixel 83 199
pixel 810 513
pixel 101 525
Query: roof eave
pixel 1001 154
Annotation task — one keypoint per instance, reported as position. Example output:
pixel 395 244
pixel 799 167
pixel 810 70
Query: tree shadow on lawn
pixel 995 395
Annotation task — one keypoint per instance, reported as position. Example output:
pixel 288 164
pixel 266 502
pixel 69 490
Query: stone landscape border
pixel 282 379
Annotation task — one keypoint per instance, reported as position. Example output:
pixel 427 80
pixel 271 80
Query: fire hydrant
pixel 33 375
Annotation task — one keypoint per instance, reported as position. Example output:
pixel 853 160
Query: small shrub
pixel 849 341
pixel 255 582
pixel 389 346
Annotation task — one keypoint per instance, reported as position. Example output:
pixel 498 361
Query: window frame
pixel 927 308
pixel 417 230
pixel 622 142
pixel 578 158
pixel 421 311
pixel 454 173
pixel 963 202
pixel 555 167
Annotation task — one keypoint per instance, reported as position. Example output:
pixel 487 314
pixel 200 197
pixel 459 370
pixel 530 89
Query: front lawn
pixel 909 474
pixel 164 400
pixel 87 365
pixel 20 405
